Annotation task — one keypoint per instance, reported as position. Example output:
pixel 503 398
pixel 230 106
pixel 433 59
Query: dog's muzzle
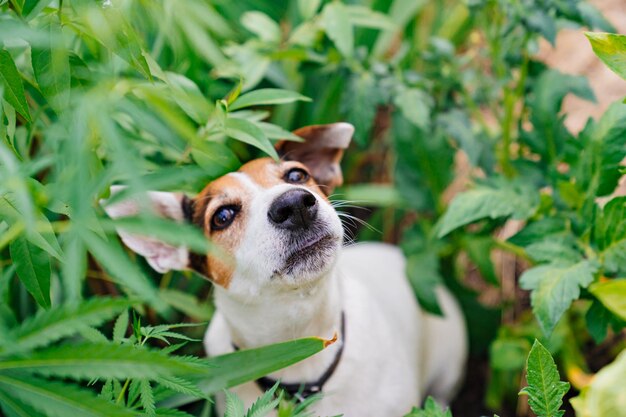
pixel 293 210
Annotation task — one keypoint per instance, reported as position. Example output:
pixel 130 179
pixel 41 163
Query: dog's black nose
pixel 295 209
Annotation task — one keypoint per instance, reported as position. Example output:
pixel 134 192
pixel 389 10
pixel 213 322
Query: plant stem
pixel 122 392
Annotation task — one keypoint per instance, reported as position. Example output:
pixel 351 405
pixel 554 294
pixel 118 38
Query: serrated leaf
pixel 56 399
pixel 147 397
pixel 182 386
pixel 121 327
pixel 249 133
pixel 33 269
pixel 335 20
pixel 545 390
pixel 264 404
pixel 611 49
pixel 507 199
pixel 234 406
pixel 66 320
pixel 13 87
pixel 554 287
pixel 430 409
pixel 15 408
pixel 265 97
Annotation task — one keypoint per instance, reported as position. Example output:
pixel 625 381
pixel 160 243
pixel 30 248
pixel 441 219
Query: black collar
pixel 302 390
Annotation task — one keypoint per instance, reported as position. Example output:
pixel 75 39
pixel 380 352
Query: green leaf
pixel 605 395
pixel 612 294
pixel 13 87
pixel 51 66
pixel 187 303
pixel 215 158
pixel 249 133
pixel 56 399
pixel 308 8
pixel 541 22
pixel 611 49
pixel 264 404
pixel 554 287
pixel 147 397
pixel 479 250
pixel 15 408
pixel 100 360
pixel 508 354
pixel 234 406
pixel 431 409
pixel 610 235
pixel 415 105
pixel 261 25
pixel 66 320
pixel 33 269
pixel 506 199
pixel 336 22
pixel 246 365
pixel 423 272
pixel 265 97
pixel 545 390
pixel 377 195
pixel 121 327
pixel 113 259
pixel 363 16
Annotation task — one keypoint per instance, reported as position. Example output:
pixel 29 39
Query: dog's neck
pixel 314 310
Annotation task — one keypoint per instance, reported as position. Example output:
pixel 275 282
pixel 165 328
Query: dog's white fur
pixel 394 353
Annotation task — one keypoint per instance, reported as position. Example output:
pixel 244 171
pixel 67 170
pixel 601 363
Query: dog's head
pixel 272 220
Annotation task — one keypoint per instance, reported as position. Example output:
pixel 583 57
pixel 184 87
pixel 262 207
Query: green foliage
pixel 431 409
pixel 545 390
pixel 611 49
pixel 167 95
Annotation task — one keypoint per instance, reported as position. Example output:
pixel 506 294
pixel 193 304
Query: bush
pixel 169 95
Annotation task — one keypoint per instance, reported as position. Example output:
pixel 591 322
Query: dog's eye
pixel 223 217
pixel 296 176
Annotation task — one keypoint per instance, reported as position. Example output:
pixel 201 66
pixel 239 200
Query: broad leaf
pixel 338 27
pixel 611 49
pixel 506 199
pixel 554 287
pixel 66 320
pixel 612 294
pixel 13 87
pixel 545 390
pixel 261 25
pixel 415 105
pixel 33 269
pixel 249 133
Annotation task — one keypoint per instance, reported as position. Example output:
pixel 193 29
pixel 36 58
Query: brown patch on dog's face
pixel 231 190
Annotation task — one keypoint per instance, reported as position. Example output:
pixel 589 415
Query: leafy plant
pixel 170 95
pixel 545 390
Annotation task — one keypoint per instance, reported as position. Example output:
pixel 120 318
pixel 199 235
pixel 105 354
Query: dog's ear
pixel 161 256
pixel 321 152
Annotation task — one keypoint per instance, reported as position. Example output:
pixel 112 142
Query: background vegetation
pixel 168 95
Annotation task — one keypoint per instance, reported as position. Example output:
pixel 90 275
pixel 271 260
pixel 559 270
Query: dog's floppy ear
pixel 160 255
pixel 321 151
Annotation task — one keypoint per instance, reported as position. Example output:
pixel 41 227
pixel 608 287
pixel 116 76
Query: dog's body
pixel 289 277
pixel 393 353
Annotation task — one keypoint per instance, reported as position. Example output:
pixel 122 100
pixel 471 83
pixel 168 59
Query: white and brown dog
pixel 292 278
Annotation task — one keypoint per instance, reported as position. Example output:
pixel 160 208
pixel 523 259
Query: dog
pixel 287 275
